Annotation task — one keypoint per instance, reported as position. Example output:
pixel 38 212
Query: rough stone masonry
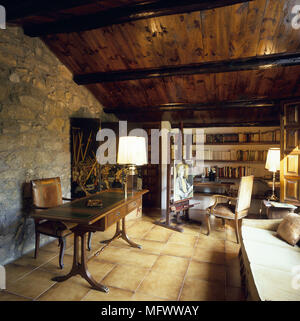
pixel 37 99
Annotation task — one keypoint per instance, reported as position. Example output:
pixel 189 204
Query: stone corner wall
pixel 37 99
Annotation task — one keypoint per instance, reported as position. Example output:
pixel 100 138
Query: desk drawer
pixel 133 205
pixel 116 215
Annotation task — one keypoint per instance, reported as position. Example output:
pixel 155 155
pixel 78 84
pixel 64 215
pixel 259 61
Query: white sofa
pixel 269 265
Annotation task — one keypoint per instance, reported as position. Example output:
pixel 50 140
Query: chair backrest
pixel 244 193
pixel 47 192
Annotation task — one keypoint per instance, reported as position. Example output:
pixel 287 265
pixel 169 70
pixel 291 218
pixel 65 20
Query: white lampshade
pixel 273 160
pixel 132 150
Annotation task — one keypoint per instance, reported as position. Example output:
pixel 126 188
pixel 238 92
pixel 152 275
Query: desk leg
pixel 117 234
pixel 125 236
pixel 81 267
pixel 122 234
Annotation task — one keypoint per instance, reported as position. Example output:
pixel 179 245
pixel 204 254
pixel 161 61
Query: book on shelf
pixel 267 136
pixel 230 138
pixel 207 154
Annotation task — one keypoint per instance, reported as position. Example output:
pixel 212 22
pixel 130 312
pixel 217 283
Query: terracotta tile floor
pixel 171 266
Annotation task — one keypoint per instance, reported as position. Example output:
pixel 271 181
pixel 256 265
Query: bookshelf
pixel 238 153
pixel 244 151
pixel 232 152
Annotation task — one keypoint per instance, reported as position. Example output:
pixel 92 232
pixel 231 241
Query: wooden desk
pixel 213 184
pixel 92 219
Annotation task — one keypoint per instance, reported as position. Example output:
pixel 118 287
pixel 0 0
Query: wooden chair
pixel 224 208
pixel 47 194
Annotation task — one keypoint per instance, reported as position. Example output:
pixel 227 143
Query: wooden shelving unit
pixel 226 156
pixel 237 151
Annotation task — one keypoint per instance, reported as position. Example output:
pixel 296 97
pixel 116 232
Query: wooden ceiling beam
pixel 251 63
pixel 27 8
pixel 196 107
pixel 129 13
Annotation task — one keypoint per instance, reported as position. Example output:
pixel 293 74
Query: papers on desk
pixel 282 205
pixel 94 203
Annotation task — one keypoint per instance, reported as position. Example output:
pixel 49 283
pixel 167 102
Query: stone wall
pixel 37 98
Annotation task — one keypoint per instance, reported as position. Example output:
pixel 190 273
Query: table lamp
pixel 273 165
pixel 132 153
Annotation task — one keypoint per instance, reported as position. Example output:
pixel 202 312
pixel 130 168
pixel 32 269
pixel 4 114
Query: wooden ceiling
pixel 205 62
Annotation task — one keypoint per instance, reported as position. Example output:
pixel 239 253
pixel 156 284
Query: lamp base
pixel 273 197
pixel 130 181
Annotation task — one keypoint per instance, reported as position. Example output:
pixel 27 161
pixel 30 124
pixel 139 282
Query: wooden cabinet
pixel 151 174
pixel 290 153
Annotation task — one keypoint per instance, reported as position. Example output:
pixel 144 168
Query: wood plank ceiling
pixel 155 41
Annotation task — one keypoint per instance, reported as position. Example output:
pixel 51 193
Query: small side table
pixel 275 210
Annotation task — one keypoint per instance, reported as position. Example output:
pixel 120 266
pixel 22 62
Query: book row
pixel 236 155
pixel 229 172
pixel 267 136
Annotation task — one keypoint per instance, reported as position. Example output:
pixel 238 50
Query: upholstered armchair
pixel 232 208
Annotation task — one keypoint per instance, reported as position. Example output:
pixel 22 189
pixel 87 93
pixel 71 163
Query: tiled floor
pixel 171 266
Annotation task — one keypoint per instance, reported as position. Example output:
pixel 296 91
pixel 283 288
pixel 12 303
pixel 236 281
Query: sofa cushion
pixel 268 255
pixel 274 285
pixel 289 228
pixel 265 236
pixel 265 224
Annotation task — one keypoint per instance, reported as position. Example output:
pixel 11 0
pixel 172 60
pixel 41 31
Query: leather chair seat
pixel 224 210
pixel 58 229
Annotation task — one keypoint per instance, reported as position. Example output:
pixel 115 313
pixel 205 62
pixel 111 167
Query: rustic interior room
pixel 150 150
